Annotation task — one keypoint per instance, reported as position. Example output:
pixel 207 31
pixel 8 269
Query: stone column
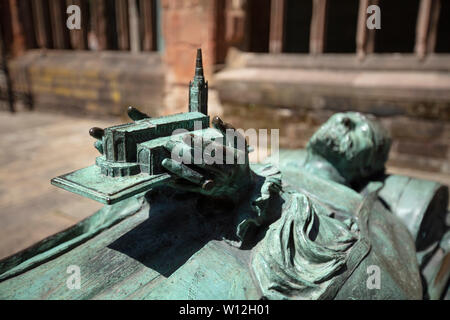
pixel 365 38
pixel 123 40
pixel 148 24
pixel 41 22
pixel 97 37
pixel 58 24
pixel 18 45
pixel 79 38
pixel 426 27
pixel 318 27
pixel 277 21
pixel 135 41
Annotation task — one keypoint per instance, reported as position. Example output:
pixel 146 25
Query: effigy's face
pixel 345 135
pixel 349 141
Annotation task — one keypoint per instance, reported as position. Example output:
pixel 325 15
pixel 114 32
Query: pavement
pixel 35 148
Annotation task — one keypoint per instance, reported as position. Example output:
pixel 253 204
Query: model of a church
pixel 131 153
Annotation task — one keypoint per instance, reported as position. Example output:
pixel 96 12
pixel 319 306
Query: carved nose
pixel 347 122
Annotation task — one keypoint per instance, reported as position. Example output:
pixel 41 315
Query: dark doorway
pixel 258 25
pixel 342 19
pixel 398 26
pixel 298 25
pixel 443 32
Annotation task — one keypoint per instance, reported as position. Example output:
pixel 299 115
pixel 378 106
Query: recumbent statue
pixel 313 227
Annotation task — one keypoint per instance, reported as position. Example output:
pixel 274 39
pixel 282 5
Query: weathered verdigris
pixel 200 247
pixel 351 149
pixel 132 153
pixel 310 228
pixel 170 246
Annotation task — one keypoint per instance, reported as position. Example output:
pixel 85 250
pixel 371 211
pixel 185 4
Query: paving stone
pixel 37 147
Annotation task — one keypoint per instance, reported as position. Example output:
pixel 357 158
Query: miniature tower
pixel 198 88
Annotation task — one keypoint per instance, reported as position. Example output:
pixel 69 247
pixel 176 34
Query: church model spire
pixel 198 88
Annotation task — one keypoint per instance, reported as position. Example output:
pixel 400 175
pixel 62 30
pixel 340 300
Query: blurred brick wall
pixel 106 82
pixel 267 91
pixel 187 25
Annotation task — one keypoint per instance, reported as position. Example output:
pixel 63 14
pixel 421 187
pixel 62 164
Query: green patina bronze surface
pixel 351 149
pixel 132 153
pixel 182 229
pixel 198 88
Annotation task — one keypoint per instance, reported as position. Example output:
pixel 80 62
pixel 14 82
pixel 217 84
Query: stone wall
pixel 413 101
pixel 89 83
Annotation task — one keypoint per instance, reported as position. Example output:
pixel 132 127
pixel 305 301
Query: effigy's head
pixel 355 144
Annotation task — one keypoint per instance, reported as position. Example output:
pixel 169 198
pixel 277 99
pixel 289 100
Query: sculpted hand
pixel 222 172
